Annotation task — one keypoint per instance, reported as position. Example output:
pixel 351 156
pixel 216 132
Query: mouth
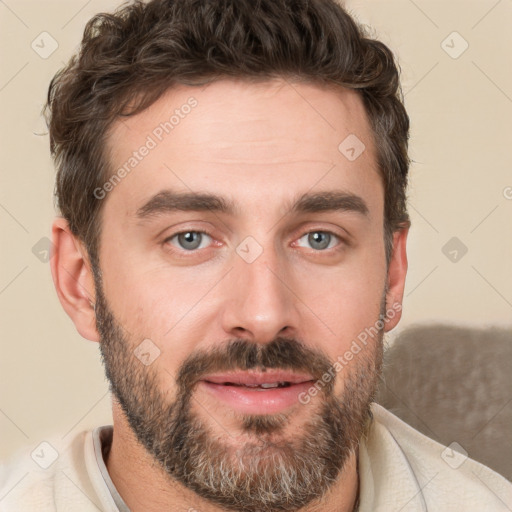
pixel 269 378
pixel 262 386
pixel 267 392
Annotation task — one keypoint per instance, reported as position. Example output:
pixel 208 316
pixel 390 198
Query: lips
pixel 253 392
pixel 265 380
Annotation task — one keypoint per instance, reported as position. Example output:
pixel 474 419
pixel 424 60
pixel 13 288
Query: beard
pixel 270 471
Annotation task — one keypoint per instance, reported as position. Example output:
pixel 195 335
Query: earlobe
pixel 73 279
pixel 397 272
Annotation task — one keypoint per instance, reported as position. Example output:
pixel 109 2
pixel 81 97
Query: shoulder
pixel 401 463
pixel 53 476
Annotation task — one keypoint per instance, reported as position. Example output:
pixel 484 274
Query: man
pixel 231 182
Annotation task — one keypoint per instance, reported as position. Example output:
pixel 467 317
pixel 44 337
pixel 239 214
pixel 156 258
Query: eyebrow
pixel 169 201
pixel 331 201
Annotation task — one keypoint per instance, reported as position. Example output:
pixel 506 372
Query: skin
pixel 260 145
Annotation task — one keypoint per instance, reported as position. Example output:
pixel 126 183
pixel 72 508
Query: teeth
pixel 270 385
pixel 264 385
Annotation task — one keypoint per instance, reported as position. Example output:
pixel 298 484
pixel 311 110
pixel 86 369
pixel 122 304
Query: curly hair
pixel 128 59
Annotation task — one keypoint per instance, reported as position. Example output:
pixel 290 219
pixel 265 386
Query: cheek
pixel 346 301
pixel 156 308
pixel 159 303
pixel 154 305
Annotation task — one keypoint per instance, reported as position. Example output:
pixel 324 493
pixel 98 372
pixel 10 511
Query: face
pixel 241 254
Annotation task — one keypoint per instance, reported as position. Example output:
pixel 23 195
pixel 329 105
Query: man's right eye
pixel 190 240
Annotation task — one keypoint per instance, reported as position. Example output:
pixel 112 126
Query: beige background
pixel 51 380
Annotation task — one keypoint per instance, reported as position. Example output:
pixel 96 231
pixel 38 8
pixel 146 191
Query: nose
pixel 259 301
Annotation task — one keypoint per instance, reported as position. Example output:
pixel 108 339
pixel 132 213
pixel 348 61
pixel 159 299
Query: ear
pixel 73 279
pixel 397 271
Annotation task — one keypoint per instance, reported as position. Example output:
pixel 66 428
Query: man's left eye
pixel 318 240
pixel 190 240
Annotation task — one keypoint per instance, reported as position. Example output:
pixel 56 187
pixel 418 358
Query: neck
pixel 145 487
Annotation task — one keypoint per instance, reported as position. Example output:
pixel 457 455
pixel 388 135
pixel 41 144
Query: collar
pixel 102 442
pixel 386 479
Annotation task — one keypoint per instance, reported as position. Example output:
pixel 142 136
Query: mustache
pixel 281 353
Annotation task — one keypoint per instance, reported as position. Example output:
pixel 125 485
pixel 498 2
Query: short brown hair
pixel 128 59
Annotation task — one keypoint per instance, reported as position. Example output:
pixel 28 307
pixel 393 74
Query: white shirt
pixel 400 470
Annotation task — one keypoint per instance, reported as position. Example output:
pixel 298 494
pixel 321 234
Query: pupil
pixel 190 240
pixel 319 240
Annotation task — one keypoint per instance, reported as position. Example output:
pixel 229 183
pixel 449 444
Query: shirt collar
pixel 386 479
pixel 102 442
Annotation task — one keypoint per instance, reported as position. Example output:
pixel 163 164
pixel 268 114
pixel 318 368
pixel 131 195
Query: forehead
pixel 237 138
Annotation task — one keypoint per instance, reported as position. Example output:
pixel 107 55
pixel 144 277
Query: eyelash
pixel 341 241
